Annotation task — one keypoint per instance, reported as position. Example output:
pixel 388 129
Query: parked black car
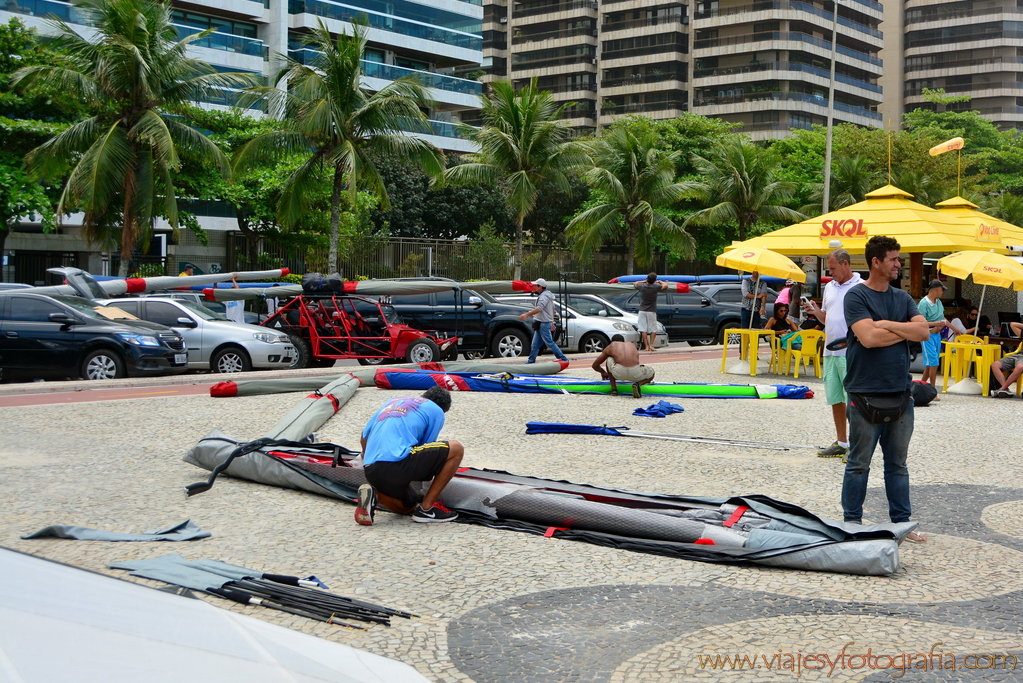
pixel 694 317
pixel 68 336
pixel 487 327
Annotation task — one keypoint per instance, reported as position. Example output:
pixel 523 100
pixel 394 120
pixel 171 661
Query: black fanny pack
pixel 536 325
pixel 881 409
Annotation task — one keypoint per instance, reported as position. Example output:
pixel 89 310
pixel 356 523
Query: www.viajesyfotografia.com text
pixel 802 663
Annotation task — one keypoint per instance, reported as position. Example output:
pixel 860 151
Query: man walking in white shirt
pixel 832 314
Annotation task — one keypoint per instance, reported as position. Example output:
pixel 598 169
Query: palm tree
pixel 326 110
pixel 851 180
pixel 1005 206
pixel 131 75
pixel 740 184
pixel 636 180
pixel 523 142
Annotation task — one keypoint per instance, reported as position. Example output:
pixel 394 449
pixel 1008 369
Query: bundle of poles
pixel 307 602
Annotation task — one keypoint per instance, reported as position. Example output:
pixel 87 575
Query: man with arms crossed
pixel 648 291
pixel 399 447
pixel 882 321
pixel 623 364
pixel 832 314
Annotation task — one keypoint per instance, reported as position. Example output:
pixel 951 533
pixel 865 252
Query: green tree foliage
pixel 20 47
pixel 21 198
pixel 326 109
pixel 688 134
pixel 447 212
pixel 131 73
pixel 739 183
pixel 523 143
pixel 852 177
pixel 1005 206
pixel 1004 164
pixel 633 180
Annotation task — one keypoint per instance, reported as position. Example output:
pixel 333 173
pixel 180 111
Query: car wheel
pixel 375 361
pixel 451 353
pixel 103 364
pixel 423 351
pixel 230 359
pixel 701 342
pixel 303 354
pixel 594 342
pixel 473 355
pixel 509 343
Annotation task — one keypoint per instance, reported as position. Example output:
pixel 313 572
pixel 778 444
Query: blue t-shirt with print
pixel 401 425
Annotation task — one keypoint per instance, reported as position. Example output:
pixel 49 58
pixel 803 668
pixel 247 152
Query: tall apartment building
pixel 967 48
pixel 764 64
pixel 429 39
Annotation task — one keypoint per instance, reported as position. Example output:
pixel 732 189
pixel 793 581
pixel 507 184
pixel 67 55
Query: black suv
pixel 486 326
pixel 695 317
pixel 68 336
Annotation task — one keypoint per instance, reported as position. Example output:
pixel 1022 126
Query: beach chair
pixel 812 345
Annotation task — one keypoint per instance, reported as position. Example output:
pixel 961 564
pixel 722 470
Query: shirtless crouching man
pixel 623 365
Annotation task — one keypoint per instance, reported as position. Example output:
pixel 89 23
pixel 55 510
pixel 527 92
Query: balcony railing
pixel 953 12
pixel 531 9
pixel 224 41
pixel 785 66
pixel 42 8
pixel 792 5
pixel 526 37
pixel 647 78
pixel 975 36
pixel 385 22
pixel 660 48
pixel 914 89
pixel 961 63
pixel 446 129
pixel 774 125
pixel 783 96
pixel 390 72
pixel 779 35
pixel 611 110
pixel 584 88
pixel 553 61
pixel 641 23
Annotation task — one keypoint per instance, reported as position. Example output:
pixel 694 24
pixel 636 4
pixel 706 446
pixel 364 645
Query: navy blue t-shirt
pixel 882 370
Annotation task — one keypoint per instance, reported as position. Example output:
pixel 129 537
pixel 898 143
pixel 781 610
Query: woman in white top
pixel 966 316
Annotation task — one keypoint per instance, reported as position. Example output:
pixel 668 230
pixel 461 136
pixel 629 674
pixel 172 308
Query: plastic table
pixel 749 343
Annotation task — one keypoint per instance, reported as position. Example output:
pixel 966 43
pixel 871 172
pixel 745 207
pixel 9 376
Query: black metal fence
pixel 455 259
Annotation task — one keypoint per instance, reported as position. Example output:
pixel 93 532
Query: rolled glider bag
pixel 360 287
pixel 315 409
pixel 556 287
pixel 496 496
pixel 257 387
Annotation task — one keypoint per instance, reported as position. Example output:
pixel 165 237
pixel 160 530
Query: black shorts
pixel 423 463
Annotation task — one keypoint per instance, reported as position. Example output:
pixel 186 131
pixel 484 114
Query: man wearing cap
pixel 543 323
pixel 649 290
pixel 933 312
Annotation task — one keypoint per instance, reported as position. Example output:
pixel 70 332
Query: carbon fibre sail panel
pixel 696 528
pixel 388 378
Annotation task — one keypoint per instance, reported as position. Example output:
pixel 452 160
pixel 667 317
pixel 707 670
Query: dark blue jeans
pixel 863 439
pixel 543 336
pixel 745 318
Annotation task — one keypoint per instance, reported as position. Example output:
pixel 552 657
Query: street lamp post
pixel 826 203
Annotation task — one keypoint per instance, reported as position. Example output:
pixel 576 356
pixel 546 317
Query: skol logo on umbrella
pixel 749 254
pixel 843 227
pixel 991 269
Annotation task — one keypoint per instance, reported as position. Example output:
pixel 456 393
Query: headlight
pixel 660 329
pixel 624 327
pixel 140 339
pixel 267 337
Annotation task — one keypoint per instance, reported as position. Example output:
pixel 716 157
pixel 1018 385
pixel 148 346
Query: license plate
pixel 180 358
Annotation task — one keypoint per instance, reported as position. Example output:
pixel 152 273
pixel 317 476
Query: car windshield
pixel 391 315
pixel 91 309
pixel 201 311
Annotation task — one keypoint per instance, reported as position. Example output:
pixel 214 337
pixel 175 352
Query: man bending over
pixel 399 447
pixel 623 364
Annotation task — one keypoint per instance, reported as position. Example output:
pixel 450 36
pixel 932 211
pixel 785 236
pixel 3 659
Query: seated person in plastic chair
pixel 623 364
pixel 781 324
pixel 1016 329
pixel 1007 370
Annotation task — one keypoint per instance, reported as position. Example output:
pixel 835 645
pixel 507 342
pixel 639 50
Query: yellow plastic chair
pixel 963 360
pixel 811 350
pixel 776 354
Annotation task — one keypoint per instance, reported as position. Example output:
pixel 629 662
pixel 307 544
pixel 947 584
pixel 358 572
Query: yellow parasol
pixel 886 211
pixel 996 234
pixel 987 268
pixel 761 260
